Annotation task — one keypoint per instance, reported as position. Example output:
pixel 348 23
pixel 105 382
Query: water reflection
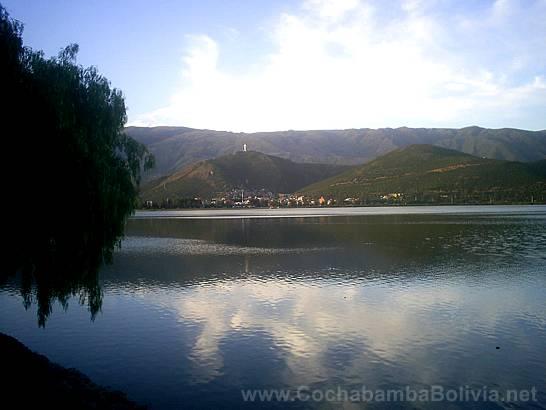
pixel 324 332
pixel 195 310
pixel 55 275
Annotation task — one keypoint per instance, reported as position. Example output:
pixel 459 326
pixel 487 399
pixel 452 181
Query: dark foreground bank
pixel 30 379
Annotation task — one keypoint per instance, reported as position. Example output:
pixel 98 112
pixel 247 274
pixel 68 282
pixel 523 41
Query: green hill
pixel 243 170
pixel 426 173
pixel 177 147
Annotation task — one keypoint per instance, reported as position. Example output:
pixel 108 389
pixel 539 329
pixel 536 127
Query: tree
pixel 64 126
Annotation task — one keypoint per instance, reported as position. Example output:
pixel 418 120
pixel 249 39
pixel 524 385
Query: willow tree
pixel 72 174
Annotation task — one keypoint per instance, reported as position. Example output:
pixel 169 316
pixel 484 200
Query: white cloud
pixel 344 64
pixel 331 9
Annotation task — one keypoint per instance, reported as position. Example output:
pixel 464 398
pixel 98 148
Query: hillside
pixel 426 173
pixel 247 170
pixel 178 147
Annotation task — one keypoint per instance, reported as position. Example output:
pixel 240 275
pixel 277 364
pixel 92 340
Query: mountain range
pixel 420 173
pixel 427 173
pixel 177 147
pixel 242 170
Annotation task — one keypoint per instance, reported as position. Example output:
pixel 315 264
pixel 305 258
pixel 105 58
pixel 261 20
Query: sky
pixel 269 65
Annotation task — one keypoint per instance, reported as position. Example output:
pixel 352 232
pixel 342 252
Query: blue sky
pixel 308 64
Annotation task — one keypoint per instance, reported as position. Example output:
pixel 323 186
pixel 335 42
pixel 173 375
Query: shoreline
pixel 32 380
pixel 237 213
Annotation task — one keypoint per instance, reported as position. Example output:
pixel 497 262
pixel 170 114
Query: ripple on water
pixel 180 246
pixel 386 309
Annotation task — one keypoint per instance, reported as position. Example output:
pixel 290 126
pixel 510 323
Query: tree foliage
pixel 72 173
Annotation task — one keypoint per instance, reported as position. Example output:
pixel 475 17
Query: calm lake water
pixel 199 305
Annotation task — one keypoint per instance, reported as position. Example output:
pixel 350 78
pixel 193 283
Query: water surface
pixel 197 308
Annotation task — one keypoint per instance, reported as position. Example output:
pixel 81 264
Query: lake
pixel 201 307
